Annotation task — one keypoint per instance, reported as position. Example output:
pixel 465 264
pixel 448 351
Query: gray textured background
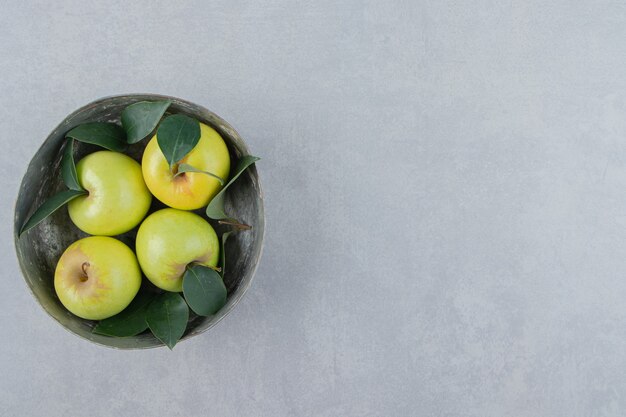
pixel 446 199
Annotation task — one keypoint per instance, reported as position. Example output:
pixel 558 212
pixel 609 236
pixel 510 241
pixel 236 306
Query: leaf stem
pixel 236 225
pixel 182 168
pixel 192 264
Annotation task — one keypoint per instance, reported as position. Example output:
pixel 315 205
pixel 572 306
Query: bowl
pixel 39 249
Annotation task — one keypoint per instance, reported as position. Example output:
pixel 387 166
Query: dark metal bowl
pixel 39 249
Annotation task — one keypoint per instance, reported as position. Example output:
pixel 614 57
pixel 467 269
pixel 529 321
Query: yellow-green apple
pixel 188 190
pixel 168 240
pixel 118 198
pixel 97 277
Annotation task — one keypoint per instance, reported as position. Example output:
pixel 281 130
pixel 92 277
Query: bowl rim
pixel 243 289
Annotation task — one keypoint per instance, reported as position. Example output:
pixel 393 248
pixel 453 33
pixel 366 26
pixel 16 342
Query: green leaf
pixel 225 237
pixel 140 119
pixel 129 322
pixel 177 136
pixel 182 168
pixel 107 135
pixel 68 168
pixel 215 209
pixel 50 206
pixel 167 317
pixel 204 290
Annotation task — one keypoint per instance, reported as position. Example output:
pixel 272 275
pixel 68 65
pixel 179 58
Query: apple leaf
pixel 130 322
pixel 107 135
pixel 182 168
pixel 140 119
pixel 204 290
pixel 68 168
pixel 167 317
pixel 215 209
pixel 225 237
pixel 177 136
pixel 50 206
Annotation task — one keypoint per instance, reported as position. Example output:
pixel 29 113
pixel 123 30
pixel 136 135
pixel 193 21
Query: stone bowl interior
pixel 39 249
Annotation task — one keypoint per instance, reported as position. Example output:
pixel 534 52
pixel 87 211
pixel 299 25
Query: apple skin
pixel 170 239
pixel 118 198
pixel 190 190
pixel 97 277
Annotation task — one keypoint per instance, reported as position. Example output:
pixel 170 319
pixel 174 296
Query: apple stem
pixel 236 225
pixel 174 170
pixel 84 267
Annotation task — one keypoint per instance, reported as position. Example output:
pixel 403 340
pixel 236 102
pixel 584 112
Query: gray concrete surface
pixel 446 199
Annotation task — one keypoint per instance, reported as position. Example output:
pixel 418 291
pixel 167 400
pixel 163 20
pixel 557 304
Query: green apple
pixel 97 277
pixel 118 198
pixel 168 240
pixel 190 190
